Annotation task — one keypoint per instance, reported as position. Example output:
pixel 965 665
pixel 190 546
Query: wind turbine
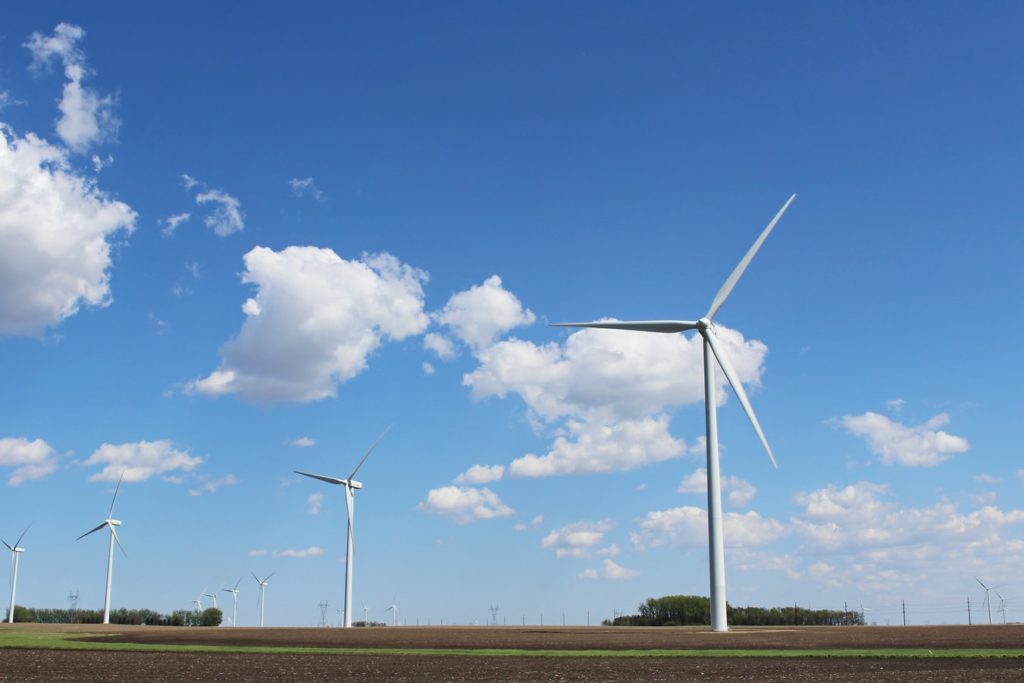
pixel 16 552
pixel 1002 605
pixel 263 586
pixel 111 523
pixel 713 350
pixel 234 602
pixel 199 605
pixel 394 612
pixel 212 596
pixel 988 602
pixel 365 611
pixel 350 485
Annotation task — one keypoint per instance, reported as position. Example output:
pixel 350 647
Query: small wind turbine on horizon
pixel 199 605
pixel 351 485
pixel 394 611
pixel 110 523
pixel 713 350
pixel 988 601
pixel 263 586
pixel 16 551
pixel 212 596
pixel 1002 605
pixel 234 602
pixel 365 611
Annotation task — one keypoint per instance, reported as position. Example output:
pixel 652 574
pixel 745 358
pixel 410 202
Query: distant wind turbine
pixel 16 551
pixel 1002 605
pixel 198 604
pixel 110 523
pixel 988 601
pixel 350 485
pixel 713 349
pixel 365 611
pixel 263 586
pixel 212 596
pixel 394 611
pixel 234 602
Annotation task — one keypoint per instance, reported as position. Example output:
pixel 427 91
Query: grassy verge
pixel 83 641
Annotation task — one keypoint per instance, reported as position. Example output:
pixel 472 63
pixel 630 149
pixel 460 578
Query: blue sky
pixel 237 241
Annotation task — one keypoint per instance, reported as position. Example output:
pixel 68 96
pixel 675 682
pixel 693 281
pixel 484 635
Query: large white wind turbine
pixel 16 551
pixel 713 349
pixel 263 587
pixel 111 523
pixel 350 485
pixel 988 600
pixel 394 611
pixel 234 602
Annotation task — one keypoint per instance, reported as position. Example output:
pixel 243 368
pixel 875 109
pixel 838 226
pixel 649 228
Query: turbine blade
pixel 255 577
pixel 123 551
pixel 737 387
pixel 321 477
pixel 665 326
pixel 236 584
pixel 268 577
pixel 92 531
pixel 370 450
pixel 9 546
pixel 737 273
pixel 114 499
pixel 18 542
pixel 982 583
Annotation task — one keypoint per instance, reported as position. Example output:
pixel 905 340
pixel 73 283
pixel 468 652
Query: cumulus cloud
pixel 534 523
pixel 86 117
pixel 439 344
pixel 688 527
pixel 305 187
pixel 987 479
pixel 923 445
pixel 227 217
pixel 477 316
pixel 609 571
pixel 303 442
pixel 171 223
pixel 313 323
pixel 140 460
pixel 314 502
pixel 257 553
pixel 30 459
pixel 596 447
pixel 465 504
pixel 303 554
pixel 56 229
pixel 740 492
pixel 580 540
pixel 481 474
pixel 428 369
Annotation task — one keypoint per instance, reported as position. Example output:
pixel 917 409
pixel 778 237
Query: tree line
pixel 211 616
pixel 695 610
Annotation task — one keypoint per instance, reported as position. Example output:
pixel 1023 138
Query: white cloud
pixel 596 447
pixel 171 223
pixel 895 405
pixel 227 217
pixel 740 492
pixel 439 344
pixel 580 540
pixel 257 553
pixel 481 474
pixel 303 554
pixel 188 182
pixel 303 442
pixel 99 163
pixel 428 369
pixel 688 527
pixel 314 502
pixel 534 523
pixel 305 187
pixel 478 315
pixel 1020 474
pixel 86 118
pixel 465 504
pixel 618 375
pixel 55 234
pixel 920 446
pixel 314 322
pixel 5 99
pixel 139 460
pixel 987 479
pixel 609 571
pixel 212 485
pixel 30 459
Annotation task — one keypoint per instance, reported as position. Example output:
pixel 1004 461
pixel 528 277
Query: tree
pixel 211 616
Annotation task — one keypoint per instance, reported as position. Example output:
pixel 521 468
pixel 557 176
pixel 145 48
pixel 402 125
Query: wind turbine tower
pixel 111 524
pixel 263 587
pixel 988 602
pixel 16 551
pixel 394 611
pixel 351 485
pixel 713 350
pixel 234 602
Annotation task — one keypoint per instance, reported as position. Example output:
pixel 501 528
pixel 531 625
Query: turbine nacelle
pixel 353 484
pixel 114 522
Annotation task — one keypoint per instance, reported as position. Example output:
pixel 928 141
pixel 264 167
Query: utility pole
pixel 563 618
pixel 494 614
pixel 323 614
pixel 846 614
pixel 796 612
pixel 969 622
pixel 588 617
pixel 904 612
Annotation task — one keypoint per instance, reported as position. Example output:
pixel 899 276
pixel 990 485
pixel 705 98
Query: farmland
pixel 36 652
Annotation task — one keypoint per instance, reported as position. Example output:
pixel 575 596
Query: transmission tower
pixel 323 614
pixel 494 614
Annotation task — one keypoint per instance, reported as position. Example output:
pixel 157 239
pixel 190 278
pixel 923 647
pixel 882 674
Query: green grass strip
pixel 79 641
